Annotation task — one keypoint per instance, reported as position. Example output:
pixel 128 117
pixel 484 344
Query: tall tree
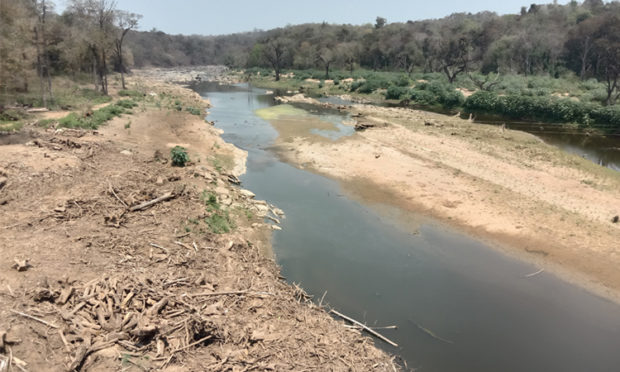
pixel 275 52
pixel 125 21
pixel 97 21
pixel 607 49
pixel 40 40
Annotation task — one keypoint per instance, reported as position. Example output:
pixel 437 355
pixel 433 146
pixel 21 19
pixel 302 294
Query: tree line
pixel 93 37
pixel 36 43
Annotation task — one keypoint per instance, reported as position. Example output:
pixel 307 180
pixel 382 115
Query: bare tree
pixel 275 51
pixel 125 21
pixel 40 40
pixel 326 57
pixel 97 18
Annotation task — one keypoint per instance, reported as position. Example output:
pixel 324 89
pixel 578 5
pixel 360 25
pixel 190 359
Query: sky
pixel 209 17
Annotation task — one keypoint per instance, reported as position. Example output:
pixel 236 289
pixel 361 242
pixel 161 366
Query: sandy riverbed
pixel 506 187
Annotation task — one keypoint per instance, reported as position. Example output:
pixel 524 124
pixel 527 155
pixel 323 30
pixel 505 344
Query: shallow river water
pixel 459 305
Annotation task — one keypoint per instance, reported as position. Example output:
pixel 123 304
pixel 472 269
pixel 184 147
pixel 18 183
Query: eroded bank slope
pixel 508 187
pixel 93 278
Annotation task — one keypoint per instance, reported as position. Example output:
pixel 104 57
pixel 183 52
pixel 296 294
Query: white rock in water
pixel 276 227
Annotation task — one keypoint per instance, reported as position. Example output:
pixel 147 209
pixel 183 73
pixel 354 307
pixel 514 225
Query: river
pixel 459 305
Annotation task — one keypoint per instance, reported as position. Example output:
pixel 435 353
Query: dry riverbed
pixel 111 260
pixel 506 187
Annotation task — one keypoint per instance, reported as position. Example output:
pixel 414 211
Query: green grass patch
pixel 219 222
pixel 130 93
pixel 95 119
pixel 11 126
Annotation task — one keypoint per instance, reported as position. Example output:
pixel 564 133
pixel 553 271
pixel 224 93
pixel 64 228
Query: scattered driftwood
pixel 145 205
pixel 366 328
pixel 535 273
pixel 230 293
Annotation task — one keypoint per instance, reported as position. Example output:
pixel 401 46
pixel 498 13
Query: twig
pixel 166 196
pixel 431 333
pixel 368 329
pixel 534 274
pixel 183 245
pixel 116 196
pixel 322 298
pixel 35 318
pixel 159 246
pixel 192 344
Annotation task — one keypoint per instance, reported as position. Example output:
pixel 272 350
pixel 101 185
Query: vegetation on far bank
pixel 505 97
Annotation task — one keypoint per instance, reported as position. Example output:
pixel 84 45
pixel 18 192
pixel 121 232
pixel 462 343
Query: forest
pixel 566 56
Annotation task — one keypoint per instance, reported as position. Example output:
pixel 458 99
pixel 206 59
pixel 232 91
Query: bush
pixel 179 156
pixel 402 81
pixel 396 92
pixel 436 93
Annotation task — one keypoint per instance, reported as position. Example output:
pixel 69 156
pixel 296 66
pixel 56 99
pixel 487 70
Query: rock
pixel 3 181
pixel 43 294
pixel 247 193
pixel 278 212
pixel 616 219
pixel 363 126
pixel 126 153
pixel 21 265
pixel 261 210
pixel 276 227
pixel 160 181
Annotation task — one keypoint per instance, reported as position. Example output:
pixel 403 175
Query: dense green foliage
pixel 549 109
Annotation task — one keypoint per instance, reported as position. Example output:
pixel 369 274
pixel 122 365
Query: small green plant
pixel 128 124
pixel 219 222
pixel 179 156
pixel 194 111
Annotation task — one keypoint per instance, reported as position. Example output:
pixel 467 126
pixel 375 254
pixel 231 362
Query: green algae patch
pixel 279 111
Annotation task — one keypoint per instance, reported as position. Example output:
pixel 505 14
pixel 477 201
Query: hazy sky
pixel 210 17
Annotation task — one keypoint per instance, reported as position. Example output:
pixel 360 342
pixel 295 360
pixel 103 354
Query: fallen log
pixel 166 196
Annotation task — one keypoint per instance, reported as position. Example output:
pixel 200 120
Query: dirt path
pixel 504 186
pixel 89 281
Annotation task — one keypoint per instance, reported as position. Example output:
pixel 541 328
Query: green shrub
pixel 194 111
pixel 179 156
pixel 396 92
pixel 436 93
pixel 402 81
pixel 219 222
pixel 547 109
